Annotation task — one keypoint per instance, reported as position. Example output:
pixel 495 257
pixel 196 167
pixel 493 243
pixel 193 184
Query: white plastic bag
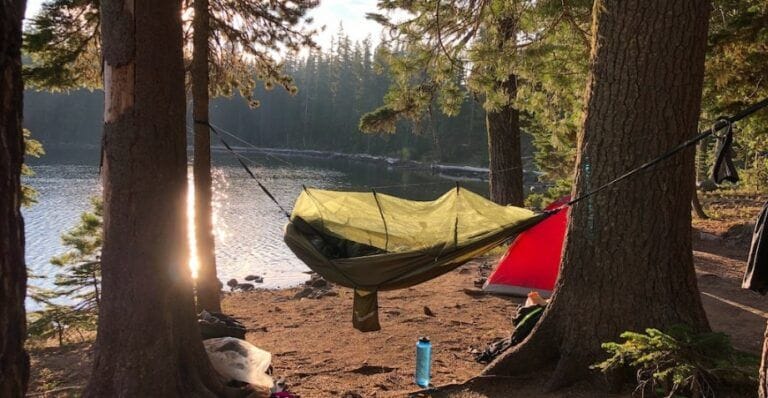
pixel 236 359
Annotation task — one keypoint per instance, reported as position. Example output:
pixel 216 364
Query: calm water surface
pixel 248 226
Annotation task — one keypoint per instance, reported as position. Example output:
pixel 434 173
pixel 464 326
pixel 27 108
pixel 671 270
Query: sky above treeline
pixel 330 13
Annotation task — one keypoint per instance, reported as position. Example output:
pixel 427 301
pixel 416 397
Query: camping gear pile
pixel 216 324
pixel 237 361
pixel 527 316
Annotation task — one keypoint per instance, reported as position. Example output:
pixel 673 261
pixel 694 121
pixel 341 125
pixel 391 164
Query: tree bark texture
pixel 148 342
pixel 14 362
pixel 627 261
pixel 504 153
pixel 208 288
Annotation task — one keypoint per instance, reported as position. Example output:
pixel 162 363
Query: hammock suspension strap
pixel 245 166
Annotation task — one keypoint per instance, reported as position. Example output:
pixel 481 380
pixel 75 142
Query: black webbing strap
pixel 724 169
pixel 245 166
pixel 719 125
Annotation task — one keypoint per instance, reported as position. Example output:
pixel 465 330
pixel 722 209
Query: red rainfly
pixel 533 259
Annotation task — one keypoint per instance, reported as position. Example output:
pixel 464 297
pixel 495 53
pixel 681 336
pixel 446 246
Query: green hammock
pixel 371 242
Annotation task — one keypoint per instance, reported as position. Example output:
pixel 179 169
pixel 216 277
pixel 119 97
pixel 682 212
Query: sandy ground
pixel 319 354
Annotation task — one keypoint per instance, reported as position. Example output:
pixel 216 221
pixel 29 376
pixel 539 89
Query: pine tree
pixel 737 66
pixel 309 120
pixel 643 226
pixel 735 69
pixel 14 361
pixel 501 41
pixel 148 342
pixel 80 278
pixel 32 148
pixel 63 42
pixel 233 46
pixel 72 305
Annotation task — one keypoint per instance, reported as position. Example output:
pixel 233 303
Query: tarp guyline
pixel 371 242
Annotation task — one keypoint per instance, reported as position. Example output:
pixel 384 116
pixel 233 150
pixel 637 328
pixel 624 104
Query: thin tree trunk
pixel 148 342
pixel 700 162
pixel 504 152
pixel 60 334
pixel 14 362
pixel 644 96
pixel 208 288
pixel 96 292
pixel 698 209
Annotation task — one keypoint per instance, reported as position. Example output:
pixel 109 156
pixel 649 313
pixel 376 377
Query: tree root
pixel 568 370
pixel 538 349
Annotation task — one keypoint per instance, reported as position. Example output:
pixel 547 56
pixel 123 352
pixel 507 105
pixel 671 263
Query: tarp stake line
pixel 245 166
pixel 719 125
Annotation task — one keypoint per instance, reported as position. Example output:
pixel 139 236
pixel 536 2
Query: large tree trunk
pixel 505 159
pixel 208 288
pixel 14 363
pixel 627 261
pixel 148 342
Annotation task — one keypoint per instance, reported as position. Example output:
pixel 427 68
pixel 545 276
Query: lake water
pixel 248 226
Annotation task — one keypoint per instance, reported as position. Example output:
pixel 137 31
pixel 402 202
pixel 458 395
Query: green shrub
pixel 681 362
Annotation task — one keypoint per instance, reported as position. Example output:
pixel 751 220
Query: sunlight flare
pixel 191 230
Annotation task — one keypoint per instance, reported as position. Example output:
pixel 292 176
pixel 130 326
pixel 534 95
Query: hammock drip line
pixel 245 166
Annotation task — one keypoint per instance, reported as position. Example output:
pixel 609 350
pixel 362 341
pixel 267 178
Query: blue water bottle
pixel 423 358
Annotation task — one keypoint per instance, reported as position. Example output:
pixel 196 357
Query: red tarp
pixel 533 259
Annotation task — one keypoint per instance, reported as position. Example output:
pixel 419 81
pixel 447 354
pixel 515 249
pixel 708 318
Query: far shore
pixel 448 171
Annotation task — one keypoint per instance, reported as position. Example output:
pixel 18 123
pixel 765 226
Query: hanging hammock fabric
pixel 372 242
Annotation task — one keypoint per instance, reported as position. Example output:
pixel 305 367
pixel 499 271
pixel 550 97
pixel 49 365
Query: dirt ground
pixel 319 354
